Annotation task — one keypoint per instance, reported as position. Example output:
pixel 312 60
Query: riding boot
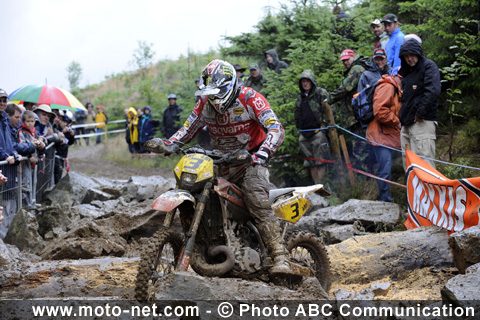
pixel 271 235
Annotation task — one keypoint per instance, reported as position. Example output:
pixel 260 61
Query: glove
pixel 260 157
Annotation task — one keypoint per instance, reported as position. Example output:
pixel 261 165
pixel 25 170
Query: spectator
pixel 27 134
pixel 355 65
pixel 381 37
pixel 396 35
pixel 44 126
pixel 310 116
pixel 133 130
pixel 377 67
pixel 89 119
pixel 138 146
pixel 273 62
pixel 8 153
pixel 146 128
pixel 102 120
pixel 385 129
pixel 67 134
pixel 22 148
pixel 421 90
pixel 80 117
pixel 256 81
pixel 240 72
pixel 171 117
pixel 343 24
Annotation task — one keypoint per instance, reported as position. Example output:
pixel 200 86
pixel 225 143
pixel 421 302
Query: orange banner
pixel 433 199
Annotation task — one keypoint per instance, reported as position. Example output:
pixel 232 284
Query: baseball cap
pixel 172 96
pixel 252 66
pixel 99 107
pixel 379 53
pixel 197 80
pixel 3 93
pixel 238 68
pixel 346 54
pixel 390 17
pixel 376 22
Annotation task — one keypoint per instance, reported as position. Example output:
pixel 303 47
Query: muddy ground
pixel 116 276
pixel 419 284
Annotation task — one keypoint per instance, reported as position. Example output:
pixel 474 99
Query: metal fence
pixel 25 185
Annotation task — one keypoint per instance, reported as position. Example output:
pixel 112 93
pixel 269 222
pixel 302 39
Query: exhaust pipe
pixel 213 270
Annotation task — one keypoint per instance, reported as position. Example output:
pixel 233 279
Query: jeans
pixel 384 160
pixel 99 137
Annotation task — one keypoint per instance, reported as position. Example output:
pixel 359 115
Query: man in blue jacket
pixel 390 22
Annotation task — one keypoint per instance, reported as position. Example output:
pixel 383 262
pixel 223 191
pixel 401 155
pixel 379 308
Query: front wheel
pixel 307 250
pixel 158 260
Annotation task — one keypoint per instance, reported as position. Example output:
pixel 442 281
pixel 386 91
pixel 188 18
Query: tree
pixel 143 56
pixel 74 75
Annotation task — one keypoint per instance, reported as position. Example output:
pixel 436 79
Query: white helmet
pixel 219 85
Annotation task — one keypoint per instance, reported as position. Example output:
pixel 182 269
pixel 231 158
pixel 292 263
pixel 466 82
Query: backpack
pixel 362 104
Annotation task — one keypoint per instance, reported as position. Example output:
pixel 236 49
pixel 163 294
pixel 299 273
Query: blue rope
pixel 398 150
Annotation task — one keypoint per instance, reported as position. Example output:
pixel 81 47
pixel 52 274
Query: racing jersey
pixel 248 124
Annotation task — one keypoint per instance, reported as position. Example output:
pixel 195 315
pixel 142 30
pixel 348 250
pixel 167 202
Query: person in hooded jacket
pixel 309 119
pixel 421 90
pixel 146 128
pixel 378 66
pixel 385 129
pixel 273 62
pixel 133 130
pixel 171 117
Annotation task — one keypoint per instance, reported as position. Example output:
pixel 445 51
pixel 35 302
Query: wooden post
pixel 347 160
pixel 334 144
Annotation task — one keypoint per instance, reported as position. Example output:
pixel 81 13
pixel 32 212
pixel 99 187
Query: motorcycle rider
pixel 240 118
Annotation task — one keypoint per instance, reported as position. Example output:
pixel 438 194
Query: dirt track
pixel 87 160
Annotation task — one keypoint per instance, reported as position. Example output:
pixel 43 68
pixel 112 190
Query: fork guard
pixel 171 199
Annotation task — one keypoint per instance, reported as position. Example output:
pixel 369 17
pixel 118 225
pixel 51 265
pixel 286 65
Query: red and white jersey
pixel 248 124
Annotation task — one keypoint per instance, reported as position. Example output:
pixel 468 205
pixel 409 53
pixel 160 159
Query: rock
pixel 56 219
pixel 362 210
pixel 87 211
pixel 80 185
pixel 101 277
pixel 86 241
pixel 23 232
pixel 380 289
pixel 363 295
pixel 5 257
pixel 190 286
pixel 96 195
pixel 318 202
pixel 336 233
pixel 462 289
pixel 367 258
pixel 62 192
pixel 150 187
pixel 466 247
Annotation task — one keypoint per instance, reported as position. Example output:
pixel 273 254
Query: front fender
pixel 171 199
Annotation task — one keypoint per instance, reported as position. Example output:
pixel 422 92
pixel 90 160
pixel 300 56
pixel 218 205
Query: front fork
pixel 186 254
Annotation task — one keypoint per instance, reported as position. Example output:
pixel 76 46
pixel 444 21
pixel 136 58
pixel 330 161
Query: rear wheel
pixel 307 250
pixel 158 260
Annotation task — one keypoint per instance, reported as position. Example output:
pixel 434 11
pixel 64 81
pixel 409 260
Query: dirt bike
pixel 219 236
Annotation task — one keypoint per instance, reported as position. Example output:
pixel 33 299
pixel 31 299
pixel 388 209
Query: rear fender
pixel 171 199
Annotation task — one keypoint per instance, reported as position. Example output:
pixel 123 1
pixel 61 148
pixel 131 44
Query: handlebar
pixel 168 147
